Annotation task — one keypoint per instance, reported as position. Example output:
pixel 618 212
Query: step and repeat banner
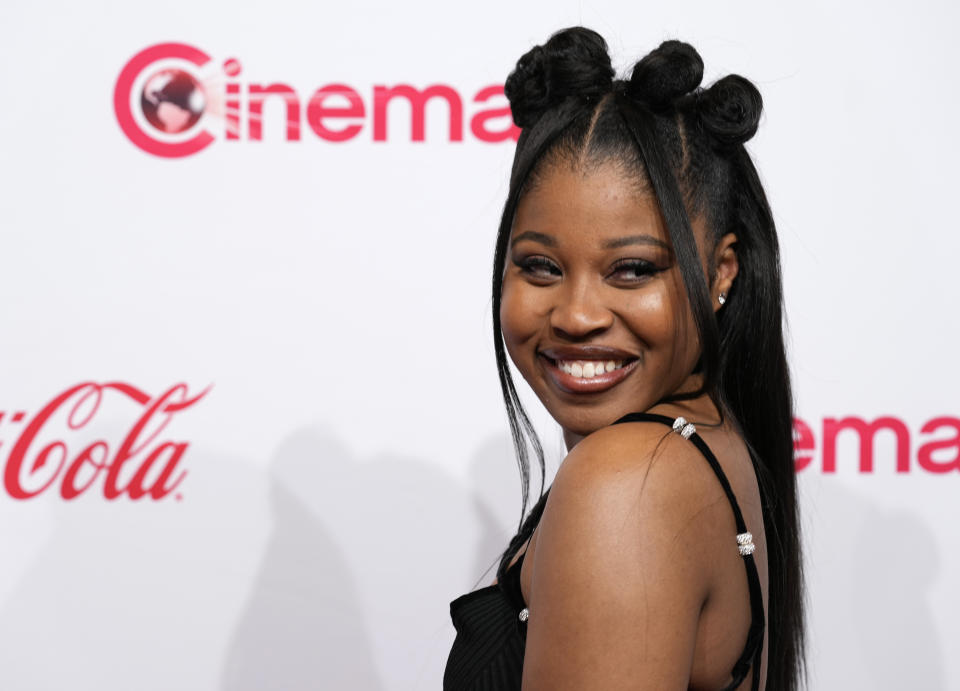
pixel 251 435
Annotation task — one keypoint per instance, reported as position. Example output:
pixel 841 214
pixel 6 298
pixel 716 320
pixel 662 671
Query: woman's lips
pixel 570 383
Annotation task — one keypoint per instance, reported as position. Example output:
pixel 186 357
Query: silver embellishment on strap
pixel 683 427
pixel 745 544
pixel 524 614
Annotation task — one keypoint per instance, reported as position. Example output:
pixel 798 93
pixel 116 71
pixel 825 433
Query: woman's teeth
pixel 588 369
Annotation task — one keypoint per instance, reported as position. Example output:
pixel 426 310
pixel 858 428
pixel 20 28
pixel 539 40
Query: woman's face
pixel 593 312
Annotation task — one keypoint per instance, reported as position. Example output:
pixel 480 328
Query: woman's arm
pixel 622 564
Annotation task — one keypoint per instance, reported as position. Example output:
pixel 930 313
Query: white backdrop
pixel 347 471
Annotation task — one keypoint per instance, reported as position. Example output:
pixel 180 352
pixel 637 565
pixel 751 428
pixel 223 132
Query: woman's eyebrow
pixel 636 240
pixel 536 236
pixel 617 243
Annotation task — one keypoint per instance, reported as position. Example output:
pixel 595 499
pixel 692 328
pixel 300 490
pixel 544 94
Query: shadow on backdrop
pixel 871 570
pixel 357 571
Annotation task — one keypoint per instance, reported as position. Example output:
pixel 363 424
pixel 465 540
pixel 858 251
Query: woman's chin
pixel 579 424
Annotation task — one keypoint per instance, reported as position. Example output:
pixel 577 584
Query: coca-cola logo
pixel 52 449
pixel 172 100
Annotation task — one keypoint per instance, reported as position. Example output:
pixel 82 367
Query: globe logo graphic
pixel 172 101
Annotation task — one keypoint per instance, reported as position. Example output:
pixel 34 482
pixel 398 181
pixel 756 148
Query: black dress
pixel 487 653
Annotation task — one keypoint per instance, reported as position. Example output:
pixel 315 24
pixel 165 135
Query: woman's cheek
pixel 646 317
pixel 664 323
pixel 518 318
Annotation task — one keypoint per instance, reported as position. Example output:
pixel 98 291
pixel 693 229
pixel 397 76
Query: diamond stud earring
pixel 722 299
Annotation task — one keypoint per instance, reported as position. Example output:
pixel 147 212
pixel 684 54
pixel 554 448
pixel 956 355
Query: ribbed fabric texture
pixel 487 653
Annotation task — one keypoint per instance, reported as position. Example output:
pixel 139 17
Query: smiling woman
pixel 636 285
pixel 586 306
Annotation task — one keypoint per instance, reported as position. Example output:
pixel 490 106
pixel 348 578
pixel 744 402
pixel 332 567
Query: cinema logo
pixel 172 100
pixel 937 449
pixel 50 450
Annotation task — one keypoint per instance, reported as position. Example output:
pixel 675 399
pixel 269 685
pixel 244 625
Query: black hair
pixel 685 144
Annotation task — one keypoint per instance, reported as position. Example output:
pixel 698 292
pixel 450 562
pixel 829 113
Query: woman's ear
pixel 726 268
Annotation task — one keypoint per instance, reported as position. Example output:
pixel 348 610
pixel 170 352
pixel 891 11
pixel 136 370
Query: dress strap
pixel 753 648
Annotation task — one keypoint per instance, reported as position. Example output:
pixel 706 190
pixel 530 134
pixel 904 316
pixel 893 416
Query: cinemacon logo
pixel 172 100
pixel 937 444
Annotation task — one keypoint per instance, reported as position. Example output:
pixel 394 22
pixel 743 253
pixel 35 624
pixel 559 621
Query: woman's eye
pixel 539 267
pixel 633 270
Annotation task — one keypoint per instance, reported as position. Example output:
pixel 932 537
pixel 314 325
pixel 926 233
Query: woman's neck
pixel 700 408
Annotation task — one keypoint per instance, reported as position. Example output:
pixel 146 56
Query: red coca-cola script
pixel 137 463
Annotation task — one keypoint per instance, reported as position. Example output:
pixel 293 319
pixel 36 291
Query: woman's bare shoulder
pixel 620 456
pixel 623 560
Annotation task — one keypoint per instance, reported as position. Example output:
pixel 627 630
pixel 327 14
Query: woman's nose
pixel 580 313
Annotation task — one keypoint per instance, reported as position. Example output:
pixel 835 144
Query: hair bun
pixel 573 62
pixel 664 74
pixel 730 109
